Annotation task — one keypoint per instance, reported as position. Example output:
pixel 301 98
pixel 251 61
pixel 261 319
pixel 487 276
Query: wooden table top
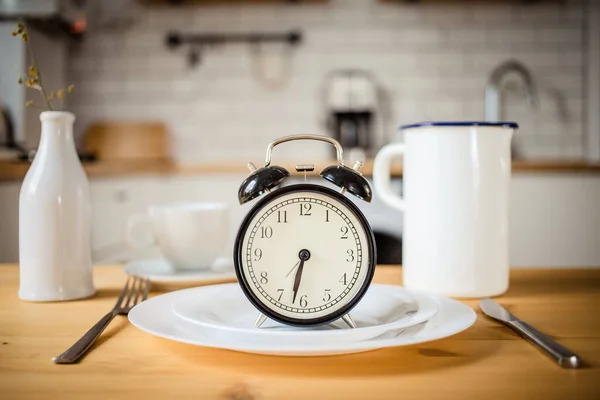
pixel 486 361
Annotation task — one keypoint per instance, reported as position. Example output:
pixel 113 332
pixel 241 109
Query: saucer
pixel 156 316
pixel 224 310
pixel 159 270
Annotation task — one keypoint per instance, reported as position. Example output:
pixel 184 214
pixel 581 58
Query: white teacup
pixel 189 235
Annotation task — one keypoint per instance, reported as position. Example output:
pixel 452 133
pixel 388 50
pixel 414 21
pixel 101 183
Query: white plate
pixel 156 317
pixel 160 270
pixel 224 310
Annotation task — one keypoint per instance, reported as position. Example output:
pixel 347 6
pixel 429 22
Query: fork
pixel 127 299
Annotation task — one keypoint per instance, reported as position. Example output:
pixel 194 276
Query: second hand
pixel 292 270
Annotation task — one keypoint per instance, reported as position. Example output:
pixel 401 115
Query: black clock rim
pixel 238 256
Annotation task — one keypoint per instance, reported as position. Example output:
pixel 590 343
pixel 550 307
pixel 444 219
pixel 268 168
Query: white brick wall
pixel 433 59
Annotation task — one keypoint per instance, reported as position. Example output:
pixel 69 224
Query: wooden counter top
pixel 15 171
pixel 487 361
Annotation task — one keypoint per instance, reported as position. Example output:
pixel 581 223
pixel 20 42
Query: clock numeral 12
pixel 305 209
pixel 279 214
pixel 326 215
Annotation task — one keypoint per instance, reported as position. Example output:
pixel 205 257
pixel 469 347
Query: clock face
pixel 305 255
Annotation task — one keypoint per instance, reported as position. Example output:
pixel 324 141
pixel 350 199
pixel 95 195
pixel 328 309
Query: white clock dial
pixel 306 254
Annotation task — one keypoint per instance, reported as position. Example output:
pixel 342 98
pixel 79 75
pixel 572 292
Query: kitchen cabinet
pixel 9 221
pixel 555 220
pixel 114 200
pixel 554 217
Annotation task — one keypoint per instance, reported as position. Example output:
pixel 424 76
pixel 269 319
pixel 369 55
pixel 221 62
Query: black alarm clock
pixel 305 254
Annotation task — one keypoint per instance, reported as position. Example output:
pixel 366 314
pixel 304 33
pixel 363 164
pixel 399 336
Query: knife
pixel 565 357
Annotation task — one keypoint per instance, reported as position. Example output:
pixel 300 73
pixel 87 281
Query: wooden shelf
pixel 178 3
pixel 458 2
pixel 15 171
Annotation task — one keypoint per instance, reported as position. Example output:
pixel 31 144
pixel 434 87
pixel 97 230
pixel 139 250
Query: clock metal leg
pixel 349 321
pixel 260 320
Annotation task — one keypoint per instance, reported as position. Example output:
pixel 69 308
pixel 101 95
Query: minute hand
pixel 297 280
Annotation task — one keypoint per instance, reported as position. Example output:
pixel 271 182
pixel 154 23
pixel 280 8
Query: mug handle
pixel 133 225
pixel 382 178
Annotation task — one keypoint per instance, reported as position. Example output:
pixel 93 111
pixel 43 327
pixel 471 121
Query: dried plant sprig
pixel 34 77
pixel 31 104
pixel 20 28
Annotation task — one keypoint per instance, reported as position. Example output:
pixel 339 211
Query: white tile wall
pixel 433 60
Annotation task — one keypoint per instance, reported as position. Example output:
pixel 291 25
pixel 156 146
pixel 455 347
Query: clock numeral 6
pixel 303 302
pixel 305 208
pixel 350 253
pixel 266 232
pixel 327 295
pixel 263 278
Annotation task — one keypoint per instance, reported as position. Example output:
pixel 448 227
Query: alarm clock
pixel 305 254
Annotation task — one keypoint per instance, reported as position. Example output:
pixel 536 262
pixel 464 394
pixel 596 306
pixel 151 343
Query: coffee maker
pixel 352 105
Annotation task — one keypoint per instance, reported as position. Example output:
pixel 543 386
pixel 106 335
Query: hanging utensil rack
pixel 198 41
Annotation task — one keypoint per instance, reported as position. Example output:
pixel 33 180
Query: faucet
pixel 493 89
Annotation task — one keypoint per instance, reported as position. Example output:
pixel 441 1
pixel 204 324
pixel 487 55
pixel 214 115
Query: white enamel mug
pixel 456 179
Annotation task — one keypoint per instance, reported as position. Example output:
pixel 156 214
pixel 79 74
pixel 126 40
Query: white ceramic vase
pixel 55 218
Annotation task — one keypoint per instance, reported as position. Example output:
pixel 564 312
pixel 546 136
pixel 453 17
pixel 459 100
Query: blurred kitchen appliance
pixel 8 144
pixel 352 101
pixel 65 16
